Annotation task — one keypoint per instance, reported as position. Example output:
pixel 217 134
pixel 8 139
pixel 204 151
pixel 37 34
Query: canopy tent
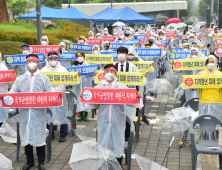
pixel 126 15
pixel 60 14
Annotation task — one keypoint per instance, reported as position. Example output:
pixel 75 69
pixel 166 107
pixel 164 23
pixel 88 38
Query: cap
pixel 82 37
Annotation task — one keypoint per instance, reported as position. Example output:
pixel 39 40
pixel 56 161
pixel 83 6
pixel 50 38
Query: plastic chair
pixel 207 124
pixel 128 144
pixel 71 114
pixel 137 125
pixel 48 138
pixel 193 103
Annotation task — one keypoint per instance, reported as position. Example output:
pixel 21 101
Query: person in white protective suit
pixel 116 37
pixel 3 89
pixel 195 35
pixel 44 40
pixel 132 55
pixel 32 121
pixel 91 34
pixel 161 36
pixel 96 49
pixel 120 39
pixel 61 49
pixel 82 39
pixel 188 35
pixel 149 28
pixel 191 39
pixel 155 38
pixel 25 49
pixel 60 112
pixel 190 29
pixel 197 46
pixel 178 33
pixel 106 32
pixel 98 35
pixel 111 120
pixel 211 46
pixel 211 26
pixel 106 47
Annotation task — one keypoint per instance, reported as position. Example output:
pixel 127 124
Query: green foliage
pixel 188 11
pixel 202 7
pixel 17 7
pixel 54 3
pixel 10 47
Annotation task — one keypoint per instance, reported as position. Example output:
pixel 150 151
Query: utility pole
pixel 39 21
pixel 111 3
pixel 69 3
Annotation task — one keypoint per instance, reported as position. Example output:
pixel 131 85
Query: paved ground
pixel 150 146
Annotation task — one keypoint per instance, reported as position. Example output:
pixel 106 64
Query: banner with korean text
pixel 79 47
pixel 178 55
pixel 110 96
pixel 7 76
pixel 44 48
pixel 149 52
pixel 21 59
pixel 189 64
pixel 144 65
pixel 114 53
pixel 63 77
pixel 217 36
pixel 115 46
pixel 108 38
pixel 68 56
pixel 32 100
pixel 202 81
pixel 127 78
pixel 98 58
pixel 84 70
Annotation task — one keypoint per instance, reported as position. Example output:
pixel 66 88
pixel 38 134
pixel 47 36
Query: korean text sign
pixel 149 52
pixel 21 59
pixel 217 36
pixel 98 58
pixel 93 41
pixel 44 48
pixel 63 77
pixel 144 65
pixel 79 47
pixel 110 96
pixel 114 53
pixel 68 56
pixel 178 55
pixel 189 64
pixel 115 46
pixel 84 70
pixel 32 100
pixel 127 78
pixel 202 81
pixel 7 76
pixel 108 38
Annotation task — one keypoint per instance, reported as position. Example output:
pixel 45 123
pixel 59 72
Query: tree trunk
pixel 3 11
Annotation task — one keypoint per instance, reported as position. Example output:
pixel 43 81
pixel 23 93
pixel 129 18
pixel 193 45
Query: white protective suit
pixel 60 112
pixel 64 63
pixel 32 121
pixel 212 43
pixel 111 122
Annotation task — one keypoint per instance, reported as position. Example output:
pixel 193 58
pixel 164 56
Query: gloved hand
pixel 208 45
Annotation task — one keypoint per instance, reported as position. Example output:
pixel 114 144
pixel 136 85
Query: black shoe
pixel 42 167
pixel 62 139
pixel 27 166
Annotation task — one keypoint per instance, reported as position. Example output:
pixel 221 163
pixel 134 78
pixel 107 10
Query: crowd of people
pixel 112 128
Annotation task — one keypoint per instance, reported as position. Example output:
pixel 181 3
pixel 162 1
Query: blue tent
pixel 126 15
pixel 60 14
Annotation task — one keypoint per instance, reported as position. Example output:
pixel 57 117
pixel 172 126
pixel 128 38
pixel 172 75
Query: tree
pixel 17 7
pixel 54 3
pixel 202 7
pixel 188 11
pixel 3 11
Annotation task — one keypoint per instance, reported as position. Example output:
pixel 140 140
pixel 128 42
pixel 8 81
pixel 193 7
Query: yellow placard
pixel 99 58
pixel 127 78
pixel 144 65
pixel 63 77
pixel 189 64
pixel 202 81
pixel 217 36
pixel 202 46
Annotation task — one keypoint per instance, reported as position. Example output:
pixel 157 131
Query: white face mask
pixel 105 32
pixel 130 57
pixel 25 52
pixel 95 52
pixel 32 66
pixel 53 63
pixel 192 39
pixel 121 41
pixel 44 43
pixel 109 76
pixel 80 59
pixel 193 56
pixel 211 66
pixel 121 57
pixel 161 37
pixel 81 41
pixel 63 49
pixel 185 49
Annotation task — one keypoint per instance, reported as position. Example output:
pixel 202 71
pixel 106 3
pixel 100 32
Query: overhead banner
pixel 202 81
pixel 68 56
pixel 44 48
pixel 217 36
pixel 178 55
pixel 108 38
pixel 127 78
pixel 79 47
pixel 189 64
pixel 115 46
pixel 113 53
pixel 98 59
pixel 62 77
pixel 149 52
pixel 31 100
pixel 110 96
pixel 21 59
pixel 143 66
pixel 7 76
pixel 84 70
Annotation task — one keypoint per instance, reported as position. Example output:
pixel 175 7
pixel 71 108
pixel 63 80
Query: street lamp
pixel 39 21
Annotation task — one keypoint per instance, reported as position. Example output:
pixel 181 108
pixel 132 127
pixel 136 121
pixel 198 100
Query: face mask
pixel 53 63
pixel 80 59
pixel 25 52
pixel 44 43
pixel 63 49
pixel 81 41
pixel 161 37
pixel 95 52
pixel 109 76
pixel 121 57
pixel 130 57
pixel 192 39
pixel 211 66
pixel 151 42
pixel 32 66
pixel 105 32
pixel 106 47
pixel 121 41
pixel 193 56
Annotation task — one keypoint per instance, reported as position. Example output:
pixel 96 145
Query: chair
pixel 48 138
pixel 193 103
pixel 71 113
pixel 128 144
pixel 137 126
pixel 207 124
